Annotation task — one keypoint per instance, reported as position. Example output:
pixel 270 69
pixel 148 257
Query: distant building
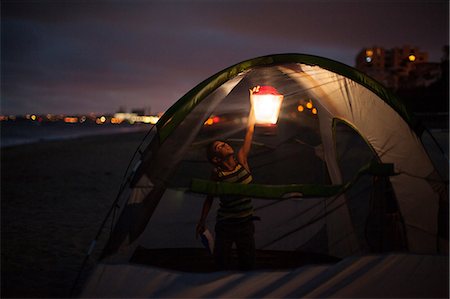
pixel 138 111
pixel 122 109
pixel 405 67
pixel 142 111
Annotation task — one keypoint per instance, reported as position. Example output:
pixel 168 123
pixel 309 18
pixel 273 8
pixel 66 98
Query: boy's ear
pixel 216 160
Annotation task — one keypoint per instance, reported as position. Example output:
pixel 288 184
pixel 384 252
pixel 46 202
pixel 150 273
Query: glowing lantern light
pixel 412 57
pixel 314 111
pixel 266 104
pixel 300 108
pixel 309 105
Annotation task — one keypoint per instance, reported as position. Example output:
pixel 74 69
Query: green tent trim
pixel 288 191
pixel 177 112
pixel 263 191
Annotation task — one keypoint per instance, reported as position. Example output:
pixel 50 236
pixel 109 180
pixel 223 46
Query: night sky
pixel 96 56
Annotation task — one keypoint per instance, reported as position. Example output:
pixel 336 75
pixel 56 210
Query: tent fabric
pixel 173 116
pixel 393 141
pixel 302 151
pixel 373 276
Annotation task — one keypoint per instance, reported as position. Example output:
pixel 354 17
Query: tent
pixel 343 173
pixel 388 276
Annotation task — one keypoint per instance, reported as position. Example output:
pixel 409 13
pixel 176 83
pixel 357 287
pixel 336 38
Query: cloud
pixel 69 55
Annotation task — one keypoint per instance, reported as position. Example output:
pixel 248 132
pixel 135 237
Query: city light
pixel 71 120
pixel 119 118
pixel 134 118
pixel 309 105
pixel 146 119
pixel 212 120
pixel 412 58
pixel 116 121
pixel 101 120
pixel 369 54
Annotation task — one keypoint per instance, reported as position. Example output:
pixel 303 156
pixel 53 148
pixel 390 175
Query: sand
pixel 54 195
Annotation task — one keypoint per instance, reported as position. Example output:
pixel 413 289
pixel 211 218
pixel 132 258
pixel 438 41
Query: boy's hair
pixel 210 152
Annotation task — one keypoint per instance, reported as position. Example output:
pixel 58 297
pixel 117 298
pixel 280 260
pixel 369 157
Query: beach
pixel 54 196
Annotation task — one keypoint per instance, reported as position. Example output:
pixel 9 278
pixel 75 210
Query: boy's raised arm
pixel 245 149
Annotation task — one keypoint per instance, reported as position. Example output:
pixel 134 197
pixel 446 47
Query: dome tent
pixel 352 178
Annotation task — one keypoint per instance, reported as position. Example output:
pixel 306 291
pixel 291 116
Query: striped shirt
pixel 234 208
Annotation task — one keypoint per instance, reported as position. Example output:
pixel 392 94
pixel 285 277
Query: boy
pixel 235 214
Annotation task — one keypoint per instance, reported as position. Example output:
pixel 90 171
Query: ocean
pixel 17 133
pixel 21 132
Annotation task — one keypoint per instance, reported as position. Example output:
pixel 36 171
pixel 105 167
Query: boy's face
pixel 222 149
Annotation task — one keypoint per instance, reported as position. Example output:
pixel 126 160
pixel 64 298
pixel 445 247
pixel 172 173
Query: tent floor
pixel 199 260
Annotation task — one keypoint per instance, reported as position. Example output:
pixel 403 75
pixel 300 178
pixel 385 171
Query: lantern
pixel 266 104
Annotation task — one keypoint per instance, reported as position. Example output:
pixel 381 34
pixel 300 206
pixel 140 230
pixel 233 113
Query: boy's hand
pixel 252 91
pixel 251 119
pixel 255 89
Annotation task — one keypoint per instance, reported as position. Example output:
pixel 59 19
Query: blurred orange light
pixel 212 120
pixel 309 105
pixel 314 111
pixel 100 121
pixel 71 120
pixel 209 122
pixel 300 108
pixel 116 120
